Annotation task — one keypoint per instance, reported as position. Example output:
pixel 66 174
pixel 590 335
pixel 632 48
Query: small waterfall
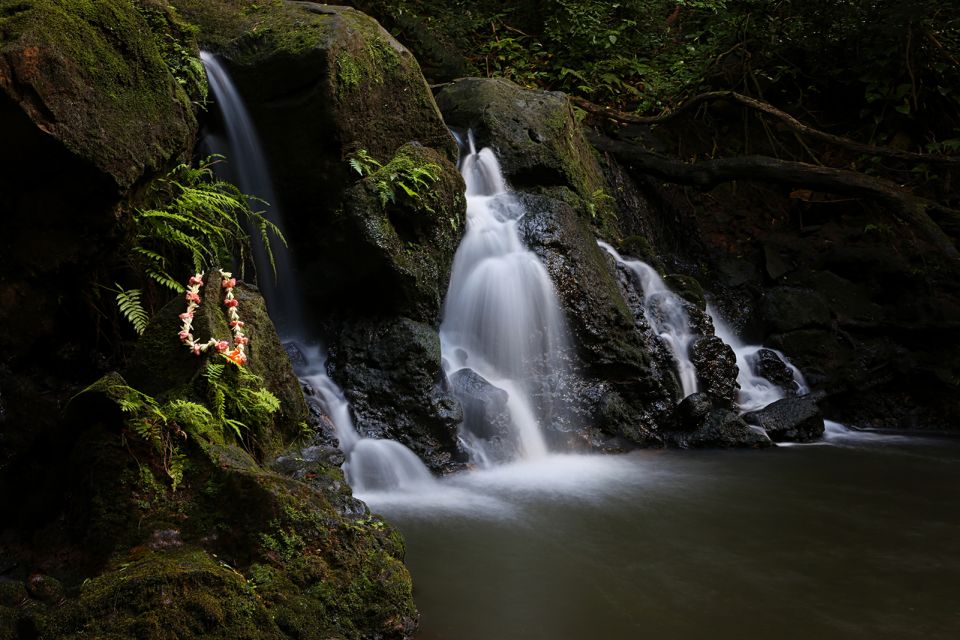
pixel 664 311
pixel 501 319
pixel 247 167
pixel 371 465
pixel 756 391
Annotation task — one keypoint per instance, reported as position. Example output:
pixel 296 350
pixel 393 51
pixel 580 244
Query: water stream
pixel 371 464
pixel 664 311
pixel 246 166
pixel 502 320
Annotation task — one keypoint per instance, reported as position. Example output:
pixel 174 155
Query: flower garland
pixel 236 355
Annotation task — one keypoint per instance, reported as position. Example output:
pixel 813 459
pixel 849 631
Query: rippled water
pixel 858 538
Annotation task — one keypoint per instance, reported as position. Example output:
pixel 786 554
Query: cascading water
pixel 371 464
pixel 664 311
pixel 247 166
pixel 501 316
pixel 756 391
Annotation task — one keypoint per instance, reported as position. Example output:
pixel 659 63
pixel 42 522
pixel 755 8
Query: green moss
pixel 99 69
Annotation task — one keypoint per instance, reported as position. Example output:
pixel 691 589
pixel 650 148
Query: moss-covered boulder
pixel 187 524
pixel 325 83
pixel 537 136
pixel 163 365
pixel 402 223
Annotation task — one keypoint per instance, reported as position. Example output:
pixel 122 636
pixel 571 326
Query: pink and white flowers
pixel 237 355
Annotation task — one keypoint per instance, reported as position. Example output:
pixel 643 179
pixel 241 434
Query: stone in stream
pixel 789 420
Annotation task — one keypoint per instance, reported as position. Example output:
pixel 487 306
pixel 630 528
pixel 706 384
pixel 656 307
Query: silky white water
pixel 501 315
pixel 663 310
pixel 247 166
pixel 371 464
pixel 755 392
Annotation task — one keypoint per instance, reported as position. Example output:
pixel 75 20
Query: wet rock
pixel 769 365
pixel 688 288
pixel 485 411
pixel 390 372
pixel 789 420
pixel 717 369
pixel 692 411
pixel 721 428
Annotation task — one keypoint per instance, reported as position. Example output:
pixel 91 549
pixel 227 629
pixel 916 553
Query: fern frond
pixel 132 309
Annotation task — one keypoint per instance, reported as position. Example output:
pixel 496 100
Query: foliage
pixel 165 425
pixel 402 173
pixel 197 220
pixel 131 308
pixel 888 68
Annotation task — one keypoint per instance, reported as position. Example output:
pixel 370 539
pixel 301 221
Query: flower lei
pixel 236 355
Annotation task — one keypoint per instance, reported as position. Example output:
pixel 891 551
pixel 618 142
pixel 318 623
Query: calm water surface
pixel 858 538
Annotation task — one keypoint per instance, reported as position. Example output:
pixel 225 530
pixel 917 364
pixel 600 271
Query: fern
pixel 196 220
pixel 132 309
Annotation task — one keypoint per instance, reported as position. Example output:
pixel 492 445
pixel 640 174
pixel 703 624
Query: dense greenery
pixel 887 69
pixel 196 222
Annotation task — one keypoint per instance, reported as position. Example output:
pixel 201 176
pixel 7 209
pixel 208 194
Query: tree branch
pixel 709 173
pixel 765 107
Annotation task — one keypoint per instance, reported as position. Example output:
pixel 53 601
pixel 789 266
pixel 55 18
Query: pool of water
pixel 855 538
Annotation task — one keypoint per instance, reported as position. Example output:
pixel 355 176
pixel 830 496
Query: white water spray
pixel 755 392
pixel 501 315
pixel 372 464
pixel 664 311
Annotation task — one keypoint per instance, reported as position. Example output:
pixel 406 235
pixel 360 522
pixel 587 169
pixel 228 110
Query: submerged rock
pixel 789 420
pixel 769 365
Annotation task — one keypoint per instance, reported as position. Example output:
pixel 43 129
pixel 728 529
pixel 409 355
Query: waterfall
pixel 502 320
pixel 371 464
pixel 664 311
pixel 756 391
pixel 247 167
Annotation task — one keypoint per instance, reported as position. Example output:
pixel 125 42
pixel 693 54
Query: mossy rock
pixel 94 77
pixel 91 109
pixel 401 246
pixel 325 82
pixel 537 136
pixel 162 366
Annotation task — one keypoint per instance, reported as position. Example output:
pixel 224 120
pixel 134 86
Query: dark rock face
pixel 390 372
pixel 717 369
pixel 789 420
pixel 769 365
pixel 692 411
pixel 720 428
pixel 325 82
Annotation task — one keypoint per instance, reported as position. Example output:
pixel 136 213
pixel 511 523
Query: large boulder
pixel 326 83
pixel 789 420
pixel 536 134
pixel 719 428
pixel 92 106
pixel 390 371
